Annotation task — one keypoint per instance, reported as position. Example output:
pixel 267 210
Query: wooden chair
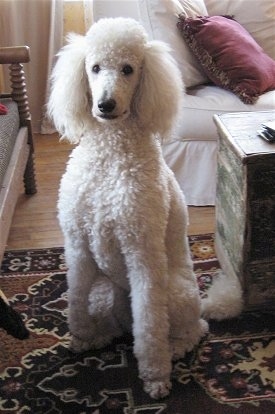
pixel 16 142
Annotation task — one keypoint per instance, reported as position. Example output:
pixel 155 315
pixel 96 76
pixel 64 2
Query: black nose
pixel 107 106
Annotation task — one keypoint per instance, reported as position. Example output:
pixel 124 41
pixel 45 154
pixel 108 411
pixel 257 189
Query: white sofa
pixel 191 154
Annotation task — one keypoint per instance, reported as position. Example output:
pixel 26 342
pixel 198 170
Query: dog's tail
pixel 224 299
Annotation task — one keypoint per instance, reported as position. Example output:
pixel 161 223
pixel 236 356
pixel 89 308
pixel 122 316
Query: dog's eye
pixel 96 68
pixel 127 70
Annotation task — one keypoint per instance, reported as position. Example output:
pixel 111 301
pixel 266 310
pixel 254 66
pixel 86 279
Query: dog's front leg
pixel 147 274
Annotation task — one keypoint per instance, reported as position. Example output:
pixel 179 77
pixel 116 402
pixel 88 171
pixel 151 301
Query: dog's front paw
pixel 157 389
pixel 189 339
pixel 179 347
pixel 78 345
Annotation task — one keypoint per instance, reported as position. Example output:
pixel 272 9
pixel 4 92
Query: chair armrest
pixel 14 54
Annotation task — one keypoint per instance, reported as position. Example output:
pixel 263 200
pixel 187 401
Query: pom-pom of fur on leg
pixel 224 298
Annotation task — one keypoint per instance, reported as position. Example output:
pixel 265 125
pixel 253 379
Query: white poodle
pixel 123 216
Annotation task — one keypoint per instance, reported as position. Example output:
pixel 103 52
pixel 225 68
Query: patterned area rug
pixel 232 371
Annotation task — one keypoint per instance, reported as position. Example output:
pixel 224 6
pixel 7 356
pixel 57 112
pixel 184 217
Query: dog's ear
pixel 69 103
pixel 159 93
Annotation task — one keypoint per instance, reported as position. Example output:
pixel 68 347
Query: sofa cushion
pixel 202 102
pixel 9 125
pixel 159 17
pixel 229 55
pixel 258 19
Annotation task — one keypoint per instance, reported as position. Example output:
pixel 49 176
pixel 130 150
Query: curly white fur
pixel 122 213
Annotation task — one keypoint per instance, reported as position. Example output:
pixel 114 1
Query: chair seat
pixel 9 126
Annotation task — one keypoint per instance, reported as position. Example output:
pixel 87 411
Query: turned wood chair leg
pixel 19 94
pixel 29 176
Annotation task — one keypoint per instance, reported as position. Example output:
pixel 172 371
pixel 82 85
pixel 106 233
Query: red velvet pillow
pixel 230 57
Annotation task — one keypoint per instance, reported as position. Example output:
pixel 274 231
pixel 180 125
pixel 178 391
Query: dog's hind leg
pixel 81 275
pixel 186 325
pixel 109 306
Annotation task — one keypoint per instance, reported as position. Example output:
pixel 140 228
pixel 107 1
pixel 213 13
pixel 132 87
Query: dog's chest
pixel 103 190
pixel 102 198
pixel 111 186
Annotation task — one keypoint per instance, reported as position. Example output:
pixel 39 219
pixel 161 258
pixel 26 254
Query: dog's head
pixel 111 74
pixel 113 63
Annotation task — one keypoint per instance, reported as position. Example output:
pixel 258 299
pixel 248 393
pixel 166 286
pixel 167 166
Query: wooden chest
pixel 245 206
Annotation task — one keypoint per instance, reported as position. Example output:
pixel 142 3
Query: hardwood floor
pixel 201 220
pixel 35 224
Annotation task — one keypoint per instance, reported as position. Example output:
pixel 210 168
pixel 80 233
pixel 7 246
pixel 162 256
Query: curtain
pixel 41 24
pixel 77 16
pixel 31 22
